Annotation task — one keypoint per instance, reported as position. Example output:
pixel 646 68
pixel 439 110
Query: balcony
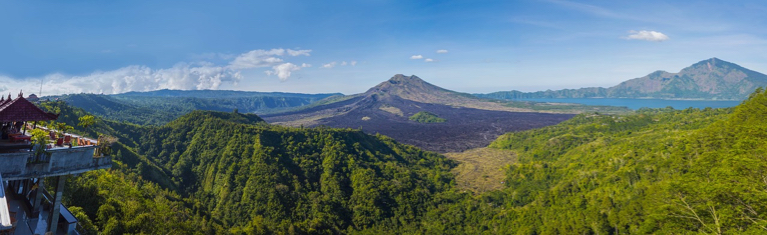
pixel 25 164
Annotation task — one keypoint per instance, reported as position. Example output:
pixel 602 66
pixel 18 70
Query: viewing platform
pixel 28 155
pixel 62 161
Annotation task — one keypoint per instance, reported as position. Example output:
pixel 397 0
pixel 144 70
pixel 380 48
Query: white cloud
pixel 263 58
pixel 645 35
pixel 257 59
pixel 416 57
pixel 298 52
pixel 353 63
pixel 429 60
pixel 442 51
pixel 343 63
pixel 283 71
pixel 329 65
pixel 182 76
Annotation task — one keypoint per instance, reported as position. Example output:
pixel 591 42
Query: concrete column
pixel 53 217
pixel 38 196
pixel 25 185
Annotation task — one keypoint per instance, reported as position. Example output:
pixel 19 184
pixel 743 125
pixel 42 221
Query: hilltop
pixel 708 79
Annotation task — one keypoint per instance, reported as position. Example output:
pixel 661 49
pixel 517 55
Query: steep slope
pixel 233 173
pixel 707 79
pixel 308 180
pixel 469 122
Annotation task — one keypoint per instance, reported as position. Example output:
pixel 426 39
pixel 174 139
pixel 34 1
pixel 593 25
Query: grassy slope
pixel 481 170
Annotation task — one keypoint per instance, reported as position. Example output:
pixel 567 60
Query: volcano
pixel 468 121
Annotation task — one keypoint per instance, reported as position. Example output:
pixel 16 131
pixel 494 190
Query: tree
pixel 86 121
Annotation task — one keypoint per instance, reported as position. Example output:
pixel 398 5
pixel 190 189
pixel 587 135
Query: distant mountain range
pixel 161 106
pixel 220 94
pixel 708 79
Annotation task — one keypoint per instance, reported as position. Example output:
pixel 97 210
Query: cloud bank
pixel 645 35
pixel 182 76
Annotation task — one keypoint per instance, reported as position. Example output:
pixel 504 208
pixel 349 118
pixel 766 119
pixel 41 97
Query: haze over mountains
pixel 161 106
pixel 708 79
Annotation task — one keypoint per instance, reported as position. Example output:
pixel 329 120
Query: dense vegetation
pixel 215 172
pixel 659 170
pixel 655 171
pixel 426 117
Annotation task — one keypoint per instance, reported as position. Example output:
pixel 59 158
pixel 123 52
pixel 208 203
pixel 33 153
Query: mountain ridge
pixel 161 106
pixel 713 79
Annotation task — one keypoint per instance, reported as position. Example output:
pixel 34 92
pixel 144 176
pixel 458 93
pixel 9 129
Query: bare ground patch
pixel 392 110
pixel 481 169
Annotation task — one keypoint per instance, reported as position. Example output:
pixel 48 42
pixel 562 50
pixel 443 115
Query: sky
pixel 349 46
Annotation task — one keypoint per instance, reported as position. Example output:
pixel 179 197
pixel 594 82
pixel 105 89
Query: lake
pixel 645 103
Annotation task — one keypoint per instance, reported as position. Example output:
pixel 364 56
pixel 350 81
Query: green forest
pixel 426 117
pixel 652 171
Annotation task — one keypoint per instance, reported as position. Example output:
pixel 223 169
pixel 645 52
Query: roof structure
pixel 21 109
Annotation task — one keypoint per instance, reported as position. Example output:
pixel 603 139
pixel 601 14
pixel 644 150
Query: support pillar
pixel 38 196
pixel 27 186
pixel 53 217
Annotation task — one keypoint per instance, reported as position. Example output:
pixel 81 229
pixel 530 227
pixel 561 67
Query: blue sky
pixel 349 46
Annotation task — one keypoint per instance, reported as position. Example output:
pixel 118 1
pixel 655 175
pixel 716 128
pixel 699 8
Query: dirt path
pixel 481 169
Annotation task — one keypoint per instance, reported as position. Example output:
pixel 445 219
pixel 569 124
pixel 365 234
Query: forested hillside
pixel 231 172
pixel 656 171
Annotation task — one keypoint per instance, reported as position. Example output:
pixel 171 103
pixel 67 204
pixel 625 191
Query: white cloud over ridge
pixel 182 76
pixel 645 35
